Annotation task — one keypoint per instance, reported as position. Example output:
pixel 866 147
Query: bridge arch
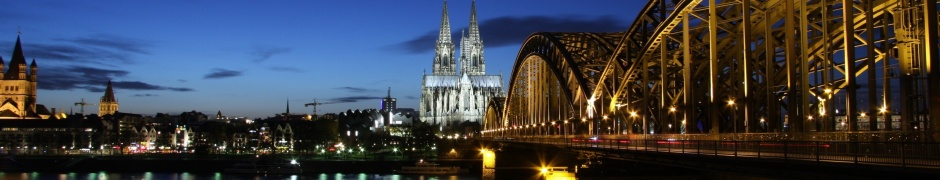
pixel 553 77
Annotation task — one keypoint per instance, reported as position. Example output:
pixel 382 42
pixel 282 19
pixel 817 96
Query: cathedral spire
pixel 444 63
pixel 18 63
pixel 389 92
pixel 471 55
pixel 474 28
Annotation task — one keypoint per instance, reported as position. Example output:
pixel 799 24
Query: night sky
pixel 246 58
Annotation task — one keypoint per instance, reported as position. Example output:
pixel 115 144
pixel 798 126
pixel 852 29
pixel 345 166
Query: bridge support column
pixel 932 60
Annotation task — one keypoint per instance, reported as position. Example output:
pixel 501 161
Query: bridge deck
pixel 898 154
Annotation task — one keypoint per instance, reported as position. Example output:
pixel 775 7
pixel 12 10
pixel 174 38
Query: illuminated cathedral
pixel 452 96
pixel 19 88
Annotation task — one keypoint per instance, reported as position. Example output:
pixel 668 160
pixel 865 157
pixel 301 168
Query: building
pixel 19 88
pixel 108 104
pixel 388 103
pixel 391 115
pixel 449 96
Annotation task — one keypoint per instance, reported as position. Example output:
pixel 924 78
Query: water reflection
pixel 219 176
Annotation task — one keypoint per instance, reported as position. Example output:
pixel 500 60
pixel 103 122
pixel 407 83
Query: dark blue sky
pixel 246 58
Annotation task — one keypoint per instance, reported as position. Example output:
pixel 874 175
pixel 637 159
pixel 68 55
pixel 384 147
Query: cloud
pixel 145 95
pixel 92 79
pixel 111 42
pixel 411 97
pixel 350 99
pixel 356 89
pixel 219 73
pixel 100 49
pixel 74 53
pixel 508 30
pixel 261 54
pixel 181 80
pixel 137 85
pixel 286 69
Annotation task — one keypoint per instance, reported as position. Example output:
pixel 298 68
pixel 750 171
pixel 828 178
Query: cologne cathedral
pixel 449 96
pixel 19 88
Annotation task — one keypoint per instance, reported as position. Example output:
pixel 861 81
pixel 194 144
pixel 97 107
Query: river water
pixel 218 176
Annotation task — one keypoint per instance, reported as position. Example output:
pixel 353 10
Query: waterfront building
pixel 65 136
pixel 108 104
pixel 393 116
pixel 449 96
pixel 19 88
pixel 182 138
pixel 284 135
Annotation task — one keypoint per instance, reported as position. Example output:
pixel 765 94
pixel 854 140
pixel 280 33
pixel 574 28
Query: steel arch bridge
pixel 732 66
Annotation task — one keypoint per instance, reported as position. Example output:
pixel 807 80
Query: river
pixel 216 176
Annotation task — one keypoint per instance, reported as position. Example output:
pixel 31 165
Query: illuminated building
pixel 19 88
pixel 449 96
pixel 108 104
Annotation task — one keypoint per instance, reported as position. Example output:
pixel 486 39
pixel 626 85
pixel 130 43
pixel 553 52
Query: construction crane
pixel 314 104
pixel 82 104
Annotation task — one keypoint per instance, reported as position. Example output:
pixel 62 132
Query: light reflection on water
pixel 218 176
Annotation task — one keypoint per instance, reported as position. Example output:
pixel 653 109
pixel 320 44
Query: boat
pixel 429 168
pixel 265 166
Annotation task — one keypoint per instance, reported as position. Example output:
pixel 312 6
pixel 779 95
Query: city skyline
pixel 247 59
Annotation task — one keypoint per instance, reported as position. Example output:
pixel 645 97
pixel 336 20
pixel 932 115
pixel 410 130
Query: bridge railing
pixel 920 154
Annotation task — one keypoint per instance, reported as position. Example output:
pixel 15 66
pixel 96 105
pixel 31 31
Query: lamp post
pixel 564 130
pixel 672 112
pixel 734 118
pixel 633 119
pixel 862 114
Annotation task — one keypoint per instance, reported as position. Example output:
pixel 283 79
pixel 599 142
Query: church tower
pixel 108 104
pixel 471 47
pixel 19 86
pixel 444 63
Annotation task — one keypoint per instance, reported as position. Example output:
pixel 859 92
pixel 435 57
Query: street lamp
pixel 734 117
pixel 564 131
pixel 633 120
pixel 672 112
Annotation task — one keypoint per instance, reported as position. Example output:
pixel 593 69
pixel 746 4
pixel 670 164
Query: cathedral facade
pixel 450 96
pixel 19 88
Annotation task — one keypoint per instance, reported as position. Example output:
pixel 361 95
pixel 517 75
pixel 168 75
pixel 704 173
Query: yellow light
pixel 632 113
pixel 731 102
pixel 605 116
pixel 672 109
pixel 827 90
pixel 863 114
pixel 544 170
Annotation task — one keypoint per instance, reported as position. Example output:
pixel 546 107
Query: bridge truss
pixel 732 66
